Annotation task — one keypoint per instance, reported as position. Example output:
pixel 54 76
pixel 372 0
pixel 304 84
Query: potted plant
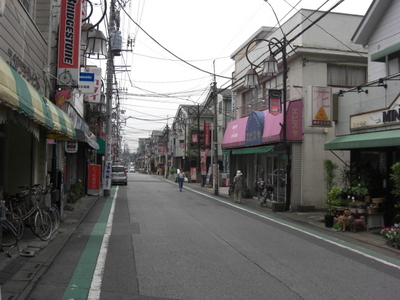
pixel 359 192
pixel 361 207
pixel 330 179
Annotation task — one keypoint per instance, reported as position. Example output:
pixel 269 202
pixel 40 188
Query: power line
pixel 182 60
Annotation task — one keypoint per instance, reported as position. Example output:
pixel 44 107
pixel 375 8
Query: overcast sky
pixel 202 33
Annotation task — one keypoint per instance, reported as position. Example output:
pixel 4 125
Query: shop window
pixel 393 66
pixel 346 76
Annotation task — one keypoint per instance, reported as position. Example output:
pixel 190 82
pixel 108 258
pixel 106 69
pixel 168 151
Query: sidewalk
pixel 19 273
pixel 315 218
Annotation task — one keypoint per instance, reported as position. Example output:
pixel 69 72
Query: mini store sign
pixel 377 118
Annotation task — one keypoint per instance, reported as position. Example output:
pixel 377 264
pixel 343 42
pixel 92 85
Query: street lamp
pixel 270 69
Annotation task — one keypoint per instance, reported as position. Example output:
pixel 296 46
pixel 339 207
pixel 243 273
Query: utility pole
pixel 215 137
pixel 109 97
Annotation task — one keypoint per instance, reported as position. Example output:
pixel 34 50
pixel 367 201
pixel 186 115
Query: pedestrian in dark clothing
pixel 238 181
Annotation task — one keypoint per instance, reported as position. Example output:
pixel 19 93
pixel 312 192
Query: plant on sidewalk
pixel 76 191
pixel 330 180
pixel 391 235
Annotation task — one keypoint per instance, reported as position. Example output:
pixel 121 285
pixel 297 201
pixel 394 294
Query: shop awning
pixel 102 146
pixel 19 95
pixel 253 150
pixel 388 138
pixel 81 136
pixel 235 133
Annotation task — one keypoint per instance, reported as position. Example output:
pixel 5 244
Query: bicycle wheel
pixel 12 229
pixel 55 217
pixel 43 225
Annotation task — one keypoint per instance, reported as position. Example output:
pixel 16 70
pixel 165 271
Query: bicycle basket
pixel 46 201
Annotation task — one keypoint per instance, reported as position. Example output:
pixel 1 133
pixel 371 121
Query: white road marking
pixel 95 286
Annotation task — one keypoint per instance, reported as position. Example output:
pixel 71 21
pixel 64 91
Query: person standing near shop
pixel 181 178
pixel 238 182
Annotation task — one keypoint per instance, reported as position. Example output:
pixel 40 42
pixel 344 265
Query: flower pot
pixel 361 210
pixel 377 200
pixel 328 220
pixel 353 210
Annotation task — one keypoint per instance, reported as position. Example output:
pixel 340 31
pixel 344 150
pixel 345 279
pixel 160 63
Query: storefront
pixel 257 146
pixel 373 142
pixel 30 126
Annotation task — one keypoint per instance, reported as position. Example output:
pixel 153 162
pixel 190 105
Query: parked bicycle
pixel 34 206
pixel 264 191
pixel 12 229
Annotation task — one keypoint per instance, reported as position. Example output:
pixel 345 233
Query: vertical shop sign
pixel 321 106
pixel 95 97
pixel 94 180
pixel 69 43
pixel 207 134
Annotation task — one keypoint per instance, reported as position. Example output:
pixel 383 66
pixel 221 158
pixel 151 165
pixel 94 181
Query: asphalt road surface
pixel 148 240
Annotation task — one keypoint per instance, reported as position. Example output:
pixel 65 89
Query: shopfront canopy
pixel 21 96
pixel 235 134
pixel 389 138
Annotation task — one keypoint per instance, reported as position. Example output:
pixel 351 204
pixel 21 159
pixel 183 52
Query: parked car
pixel 119 175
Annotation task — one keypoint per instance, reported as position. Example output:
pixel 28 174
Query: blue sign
pixel 86 77
pixel 255 128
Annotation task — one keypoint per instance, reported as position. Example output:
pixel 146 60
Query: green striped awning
pixel 19 95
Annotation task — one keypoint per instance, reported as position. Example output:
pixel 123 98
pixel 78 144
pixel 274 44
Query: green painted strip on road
pixel 79 285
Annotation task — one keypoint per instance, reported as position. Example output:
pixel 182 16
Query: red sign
pixel 69 42
pixel 94 177
pixel 194 138
pixel 206 134
pixel 275 97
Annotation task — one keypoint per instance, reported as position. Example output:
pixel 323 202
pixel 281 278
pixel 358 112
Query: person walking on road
pixel 181 178
pixel 238 182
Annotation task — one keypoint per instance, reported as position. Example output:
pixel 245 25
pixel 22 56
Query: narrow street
pixel 166 244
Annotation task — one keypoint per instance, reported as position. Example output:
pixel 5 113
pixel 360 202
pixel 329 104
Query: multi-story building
pixel 368 116
pixel 286 147
pixel 43 133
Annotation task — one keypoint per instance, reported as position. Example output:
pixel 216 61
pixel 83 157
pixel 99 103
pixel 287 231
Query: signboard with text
pixel 69 40
pixel 320 109
pixel 94 180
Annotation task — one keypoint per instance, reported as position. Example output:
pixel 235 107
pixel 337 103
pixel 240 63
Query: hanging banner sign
pixel 207 134
pixel 194 138
pixel 69 43
pixel 274 102
pixel 182 144
pixel 95 97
